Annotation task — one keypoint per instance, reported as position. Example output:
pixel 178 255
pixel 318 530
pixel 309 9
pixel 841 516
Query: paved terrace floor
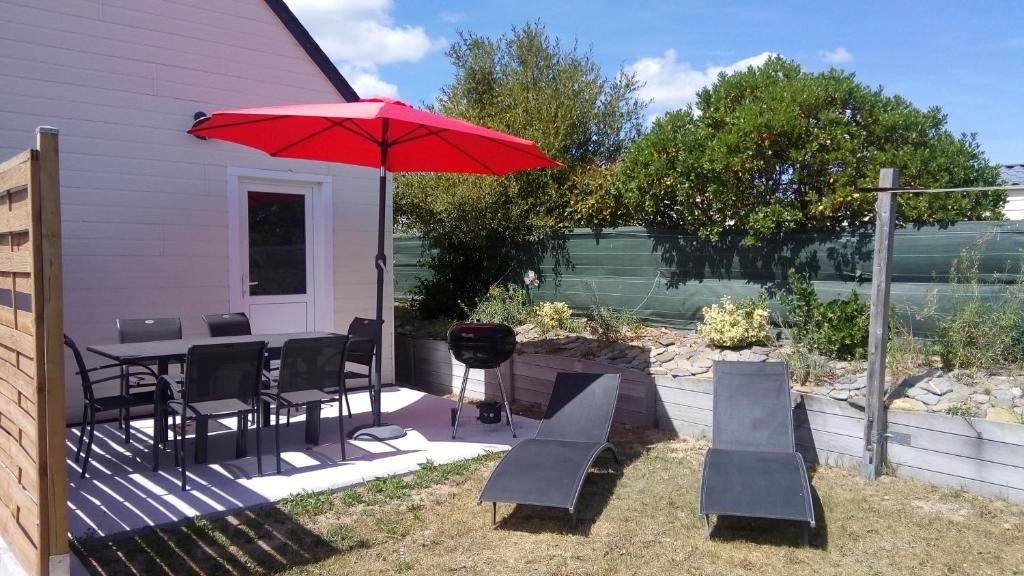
pixel 121 494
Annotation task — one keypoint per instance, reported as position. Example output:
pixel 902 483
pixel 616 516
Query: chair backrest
pixel 223 371
pixel 312 363
pixel 230 324
pixel 82 370
pixel 361 351
pixel 148 329
pixel 752 407
pixel 581 407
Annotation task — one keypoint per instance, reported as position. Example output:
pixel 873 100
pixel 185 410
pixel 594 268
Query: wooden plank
pixel 703 385
pixel 685 414
pixel 18 340
pixel 16 160
pixel 567 364
pixel 636 388
pixel 684 397
pixel 974 469
pixel 18 462
pixel 16 262
pixel 819 456
pixel 826 440
pixel 830 406
pixel 873 458
pixel 970 427
pixel 24 548
pixel 17 499
pixel 954 481
pixel 966 446
pixel 12 413
pixel 14 176
pixel 50 333
pixel 17 379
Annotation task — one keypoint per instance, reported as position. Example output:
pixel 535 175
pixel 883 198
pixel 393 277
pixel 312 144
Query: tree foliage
pixel 479 229
pixel 774 148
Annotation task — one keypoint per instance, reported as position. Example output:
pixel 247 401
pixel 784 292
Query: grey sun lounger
pixel 753 468
pixel 549 469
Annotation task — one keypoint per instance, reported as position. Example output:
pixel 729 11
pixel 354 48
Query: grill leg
pixel 462 397
pixel 707 525
pixel 504 401
pixel 494 513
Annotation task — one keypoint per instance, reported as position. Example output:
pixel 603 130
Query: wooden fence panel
pixel 33 475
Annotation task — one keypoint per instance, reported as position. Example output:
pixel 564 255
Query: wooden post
pixel 52 325
pixel 878 335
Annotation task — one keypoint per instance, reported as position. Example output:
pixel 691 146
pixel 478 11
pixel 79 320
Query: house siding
pixel 144 205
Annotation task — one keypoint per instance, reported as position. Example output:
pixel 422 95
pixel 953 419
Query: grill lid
pixel 481 345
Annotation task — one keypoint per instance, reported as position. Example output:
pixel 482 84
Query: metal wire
pixel 1008 187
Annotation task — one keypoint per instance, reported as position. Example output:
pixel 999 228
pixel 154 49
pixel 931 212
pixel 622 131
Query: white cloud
pixel 360 36
pixel 453 17
pixel 670 84
pixel 836 57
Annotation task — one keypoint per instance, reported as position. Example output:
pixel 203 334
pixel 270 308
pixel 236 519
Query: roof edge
pixel 313 50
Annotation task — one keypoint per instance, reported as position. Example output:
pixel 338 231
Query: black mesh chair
pixel 94 404
pixel 144 330
pixel 362 333
pixel 220 380
pixel 230 324
pixel 752 468
pixel 312 373
pixel 549 469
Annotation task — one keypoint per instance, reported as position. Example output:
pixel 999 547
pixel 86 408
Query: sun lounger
pixel 549 469
pixel 753 468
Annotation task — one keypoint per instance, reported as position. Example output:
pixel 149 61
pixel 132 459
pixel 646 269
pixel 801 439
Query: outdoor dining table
pixel 164 352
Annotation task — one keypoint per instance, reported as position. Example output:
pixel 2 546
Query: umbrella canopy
pixel 355 132
pixel 376 133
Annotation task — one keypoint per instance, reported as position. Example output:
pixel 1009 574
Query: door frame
pixel 322 235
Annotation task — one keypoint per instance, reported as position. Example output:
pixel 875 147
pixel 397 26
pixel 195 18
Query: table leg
pixel 159 416
pixel 313 422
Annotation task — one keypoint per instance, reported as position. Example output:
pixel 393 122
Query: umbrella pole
pixel 378 430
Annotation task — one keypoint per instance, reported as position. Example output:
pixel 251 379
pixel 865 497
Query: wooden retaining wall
pixel 33 475
pixel 969 453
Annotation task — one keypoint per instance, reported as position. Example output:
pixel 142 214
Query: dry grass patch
pixel 640 519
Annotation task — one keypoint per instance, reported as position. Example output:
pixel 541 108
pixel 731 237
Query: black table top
pixel 178 349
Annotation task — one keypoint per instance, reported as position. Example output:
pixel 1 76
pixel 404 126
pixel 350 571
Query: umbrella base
pixel 376 433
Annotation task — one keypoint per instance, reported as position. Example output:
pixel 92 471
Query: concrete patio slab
pixel 121 494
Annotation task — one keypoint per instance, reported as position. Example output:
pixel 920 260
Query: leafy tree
pixel 774 149
pixel 480 229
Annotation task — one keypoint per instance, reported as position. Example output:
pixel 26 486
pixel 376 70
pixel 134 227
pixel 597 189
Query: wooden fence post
pixel 878 335
pixel 52 325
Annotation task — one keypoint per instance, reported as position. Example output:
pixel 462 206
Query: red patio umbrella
pixel 377 133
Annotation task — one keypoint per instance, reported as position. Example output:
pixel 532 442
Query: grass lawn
pixel 638 519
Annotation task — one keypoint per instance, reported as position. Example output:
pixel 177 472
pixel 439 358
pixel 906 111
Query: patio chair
pixel 312 373
pixel 94 404
pixel 230 324
pixel 752 468
pixel 144 330
pixel 362 333
pixel 220 380
pixel 549 469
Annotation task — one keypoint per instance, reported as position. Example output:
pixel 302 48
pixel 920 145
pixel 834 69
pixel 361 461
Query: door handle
pixel 253 283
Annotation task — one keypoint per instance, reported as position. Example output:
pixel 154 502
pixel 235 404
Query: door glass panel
pixel 277 243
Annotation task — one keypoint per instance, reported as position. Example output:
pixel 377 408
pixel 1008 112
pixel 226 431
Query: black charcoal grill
pixel 486 347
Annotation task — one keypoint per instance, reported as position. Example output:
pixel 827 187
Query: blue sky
pixel 967 57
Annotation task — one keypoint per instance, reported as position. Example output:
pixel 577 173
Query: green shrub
pixel 733 324
pixel 906 355
pixel 980 332
pixel 503 305
pixel 611 324
pixel 837 329
pixel 550 316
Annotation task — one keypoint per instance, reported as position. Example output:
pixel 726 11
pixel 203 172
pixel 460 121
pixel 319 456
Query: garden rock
pixel 680 372
pixel 979 398
pixel 841 395
pixel 1001 415
pixel 908 405
pixel 939 385
pixel 923 395
pixel 751 356
pixel 857 402
pixel 665 356
pixel 1001 398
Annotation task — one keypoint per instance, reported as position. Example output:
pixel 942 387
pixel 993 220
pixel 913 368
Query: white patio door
pixel 277 257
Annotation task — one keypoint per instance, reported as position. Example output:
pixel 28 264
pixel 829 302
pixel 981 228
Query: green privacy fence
pixel 668 277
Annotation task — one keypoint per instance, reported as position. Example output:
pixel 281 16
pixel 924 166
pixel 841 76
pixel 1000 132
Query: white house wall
pixel 145 205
